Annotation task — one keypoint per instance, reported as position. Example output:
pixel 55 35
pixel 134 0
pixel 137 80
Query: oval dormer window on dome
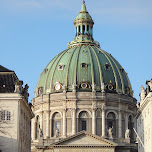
pixel 61 67
pixel 84 65
pixel 122 70
pixel 107 66
pixel 40 90
pixel 128 90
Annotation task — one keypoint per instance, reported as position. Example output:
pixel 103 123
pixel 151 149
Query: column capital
pixel 47 111
pixel 103 107
pixel 64 109
pixel 40 112
pixel 94 108
pixel 73 109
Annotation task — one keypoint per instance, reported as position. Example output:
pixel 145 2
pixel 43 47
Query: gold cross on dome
pixel 83 2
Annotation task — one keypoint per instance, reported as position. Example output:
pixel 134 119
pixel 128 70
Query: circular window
pixel 57 86
pixel 110 87
pixel 84 85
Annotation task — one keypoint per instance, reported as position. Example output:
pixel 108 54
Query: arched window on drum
pixel 84 121
pixel 111 123
pixel 130 126
pixel 56 125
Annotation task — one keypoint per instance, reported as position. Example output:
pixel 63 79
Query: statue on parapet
pixel 127 134
pixel 40 133
pixel 57 133
pixel 110 132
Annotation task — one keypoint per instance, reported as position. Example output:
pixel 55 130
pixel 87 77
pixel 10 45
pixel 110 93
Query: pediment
pixel 85 139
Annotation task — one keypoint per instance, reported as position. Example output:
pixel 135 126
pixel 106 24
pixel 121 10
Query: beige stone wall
pixel 69 107
pixel 15 136
pixel 84 150
pixel 9 134
pixel 144 123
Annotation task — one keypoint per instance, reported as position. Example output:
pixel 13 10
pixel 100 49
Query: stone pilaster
pixel 47 124
pixel 94 121
pixel 120 124
pixel 41 119
pixel 103 122
pixel 51 127
pixel 126 121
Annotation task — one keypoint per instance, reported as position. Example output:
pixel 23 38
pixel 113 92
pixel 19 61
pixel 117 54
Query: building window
pixel 84 65
pixel 83 121
pixel 122 70
pixel 83 32
pixel 61 67
pixel 111 122
pixel 8 115
pixel 5 115
pixel 87 29
pixel 58 125
pixel 84 125
pixel 107 66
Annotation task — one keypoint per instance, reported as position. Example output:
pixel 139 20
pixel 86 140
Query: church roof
pixel 84 138
pixel 84 66
pixel 83 14
pixel 7 80
pixel 3 69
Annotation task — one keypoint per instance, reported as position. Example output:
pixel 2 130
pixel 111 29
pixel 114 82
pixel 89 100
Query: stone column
pixel 47 124
pixel 85 28
pixel 41 120
pixel 120 124
pixel 74 121
pixel 126 121
pixel 94 121
pixel 81 28
pixel 103 122
pixel 33 128
pixel 64 122
pixel 51 134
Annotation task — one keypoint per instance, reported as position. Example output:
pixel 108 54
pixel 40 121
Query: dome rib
pixel 99 66
pixel 92 66
pixel 51 82
pixel 76 67
pixel 126 78
pixel 67 73
pixel 115 76
pixel 45 86
pixel 122 82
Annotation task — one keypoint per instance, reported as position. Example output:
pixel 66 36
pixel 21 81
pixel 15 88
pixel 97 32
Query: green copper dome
pixel 83 66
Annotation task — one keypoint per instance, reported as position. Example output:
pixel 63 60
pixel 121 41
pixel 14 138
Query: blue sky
pixel 32 32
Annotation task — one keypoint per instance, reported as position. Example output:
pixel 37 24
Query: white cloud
pixel 109 11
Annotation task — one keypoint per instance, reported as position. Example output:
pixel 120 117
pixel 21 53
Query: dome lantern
pixel 83 28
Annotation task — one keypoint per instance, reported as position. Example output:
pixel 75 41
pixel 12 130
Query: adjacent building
pixel 84 99
pixel 15 113
pixel 144 119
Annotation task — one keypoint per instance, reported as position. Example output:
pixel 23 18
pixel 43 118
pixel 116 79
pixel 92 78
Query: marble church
pixel 84 100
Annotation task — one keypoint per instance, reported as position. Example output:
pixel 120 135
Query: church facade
pixel 15 113
pixel 144 119
pixel 84 99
